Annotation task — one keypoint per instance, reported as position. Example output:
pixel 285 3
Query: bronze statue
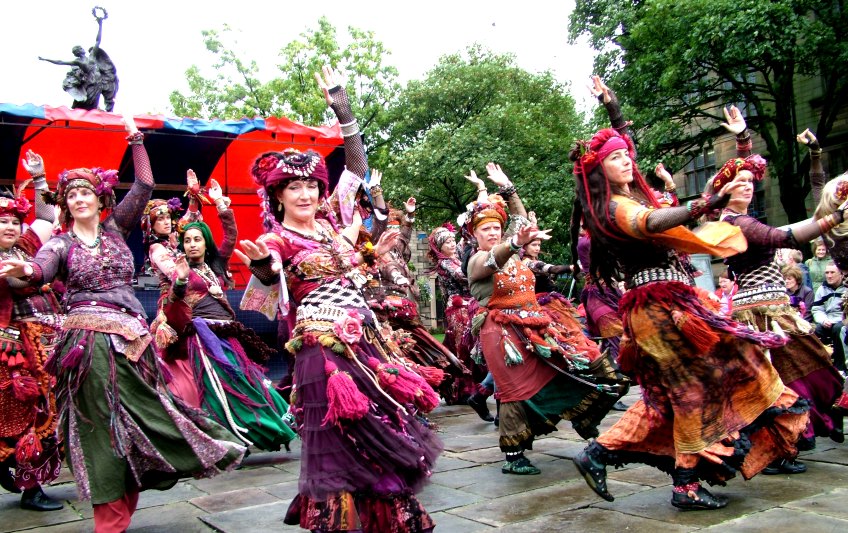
pixel 92 75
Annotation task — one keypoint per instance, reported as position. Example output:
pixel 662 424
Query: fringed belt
pixel 651 275
pixel 766 294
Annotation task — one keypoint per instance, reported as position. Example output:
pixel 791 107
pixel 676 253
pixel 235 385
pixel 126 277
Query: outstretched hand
pixel 33 163
pixel 327 79
pixel 735 121
pixel 387 241
pixel 255 251
pixel 497 176
pixel 215 190
pixel 15 268
pixel 472 177
pixel 193 185
pixel 531 233
pixel 409 205
pixel 375 179
pixel 181 268
pixel 599 88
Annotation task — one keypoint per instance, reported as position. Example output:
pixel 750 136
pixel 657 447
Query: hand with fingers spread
pixel 376 178
pixel 735 122
pixel 33 163
pixel 478 183
pixel 387 241
pixel 192 184
pixel 181 268
pixel 529 234
pixel 497 176
pixel 409 206
pixel 808 138
pixel 15 268
pixel 328 79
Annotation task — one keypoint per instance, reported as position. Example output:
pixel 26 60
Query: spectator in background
pixel 827 312
pixel 817 264
pixel 800 295
pixel 726 289
pixel 796 258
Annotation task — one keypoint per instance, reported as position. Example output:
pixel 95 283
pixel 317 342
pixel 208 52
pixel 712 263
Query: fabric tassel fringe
pixel 344 399
pixel 405 386
pixel 28 448
pixel 432 375
pixel 512 356
pixel 24 388
pixel 697 332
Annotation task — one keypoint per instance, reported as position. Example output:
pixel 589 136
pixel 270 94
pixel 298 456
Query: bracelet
pixel 180 282
pixel 349 129
pixel 39 182
pixel 827 223
pixel 408 218
pixel 513 244
pixel 135 138
pixel 671 188
pixel 507 191
pixel 697 207
pixel 815 152
pixel 376 190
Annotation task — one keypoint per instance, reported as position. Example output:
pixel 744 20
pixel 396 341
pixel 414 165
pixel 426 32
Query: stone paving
pixel 469 494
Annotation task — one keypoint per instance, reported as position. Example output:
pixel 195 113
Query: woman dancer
pixel 29 319
pixel 803 363
pixel 712 403
pixel 210 364
pixel 365 453
pixel 540 376
pixel 124 434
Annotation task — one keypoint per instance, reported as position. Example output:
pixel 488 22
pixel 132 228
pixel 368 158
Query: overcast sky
pixel 153 42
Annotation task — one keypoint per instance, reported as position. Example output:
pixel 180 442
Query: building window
pixel 698 170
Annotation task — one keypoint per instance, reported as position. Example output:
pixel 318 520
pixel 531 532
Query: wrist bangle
pixel 671 188
pixel 180 281
pixel 135 138
pixel 349 129
pixel 376 190
pixel 513 244
pixel 507 190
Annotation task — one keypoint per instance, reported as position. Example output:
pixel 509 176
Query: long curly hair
pixel 592 203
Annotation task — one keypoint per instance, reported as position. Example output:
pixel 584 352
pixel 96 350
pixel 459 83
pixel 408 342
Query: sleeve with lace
pixel 818 177
pixel 49 260
pixel 744 144
pixel 43 210
pixel 161 259
pixel 355 159
pixel 764 235
pixel 616 117
pixel 228 222
pixel 261 269
pixel 453 270
pixel 127 213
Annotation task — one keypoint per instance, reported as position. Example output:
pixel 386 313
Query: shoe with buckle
pixel 697 500
pixel 595 475
pixel 521 466
pixel 784 466
pixel 36 500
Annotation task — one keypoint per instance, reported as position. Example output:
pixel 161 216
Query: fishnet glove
pixel 355 158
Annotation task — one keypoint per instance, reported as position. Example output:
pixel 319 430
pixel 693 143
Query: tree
pixel 675 63
pixel 236 90
pixel 472 108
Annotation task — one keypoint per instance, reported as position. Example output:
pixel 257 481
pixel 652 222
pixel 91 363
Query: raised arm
pixel 735 123
pixel 228 220
pixel 337 98
pixel 128 212
pixel 45 215
pixel 484 265
pixel 608 99
pixel 817 175
pixel 506 189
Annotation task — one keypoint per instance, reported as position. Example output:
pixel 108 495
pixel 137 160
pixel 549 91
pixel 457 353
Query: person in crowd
pixel 796 258
pixel 365 451
pixel 123 432
pixel 800 295
pixel 29 322
pixel 541 377
pixel 828 315
pixel 816 264
pixel 694 420
pixel 727 288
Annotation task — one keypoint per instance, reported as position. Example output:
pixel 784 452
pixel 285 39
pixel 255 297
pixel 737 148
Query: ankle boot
pixel 478 403
pixel 689 495
pixel 34 499
pixel 591 466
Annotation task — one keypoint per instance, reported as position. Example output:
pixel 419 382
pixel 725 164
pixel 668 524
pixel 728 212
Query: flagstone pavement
pixel 469 494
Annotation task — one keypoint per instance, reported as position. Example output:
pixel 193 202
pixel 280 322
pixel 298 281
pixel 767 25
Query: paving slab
pixel 285 491
pixel 437 498
pixel 529 504
pixel 243 478
pixel 782 520
pixel 831 503
pixel 592 520
pixel 446 522
pixel 14 518
pixel 447 463
pixel 256 519
pixel 235 499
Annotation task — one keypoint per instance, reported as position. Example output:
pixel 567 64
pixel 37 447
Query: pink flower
pixel 349 330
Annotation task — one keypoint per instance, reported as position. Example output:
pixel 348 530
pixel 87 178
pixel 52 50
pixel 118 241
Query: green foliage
pixel 236 90
pixel 472 108
pixel 676 63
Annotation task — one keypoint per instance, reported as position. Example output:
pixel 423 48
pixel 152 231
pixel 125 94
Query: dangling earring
pixel 279 208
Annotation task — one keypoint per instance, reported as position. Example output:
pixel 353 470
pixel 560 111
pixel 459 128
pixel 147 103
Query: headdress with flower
pixel 490 210
pixel 437 238
pixel 99 180
pixel 754 163
pixel 15 204
pixel 155 210
pixel 272 169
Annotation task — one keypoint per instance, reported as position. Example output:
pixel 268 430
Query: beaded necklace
pixel 12 253
pixel 92 246
pixel 208 276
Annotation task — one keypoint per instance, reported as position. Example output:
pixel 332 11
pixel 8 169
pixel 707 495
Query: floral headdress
pixel 99 180
pixel 155 210
pixel 754 163
pixel 16 206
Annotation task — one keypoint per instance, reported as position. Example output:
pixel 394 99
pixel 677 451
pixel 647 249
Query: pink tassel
pixel 73 357
pixel 25 388
pixel 28 449
pixel 432 375
pixel 405 386
pixel 344 400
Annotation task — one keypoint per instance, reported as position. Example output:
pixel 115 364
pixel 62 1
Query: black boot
pixel 34 499
pixel 593 469
pixel 689 495
pixel 478 403
pixel 784 466
pixel 7 481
